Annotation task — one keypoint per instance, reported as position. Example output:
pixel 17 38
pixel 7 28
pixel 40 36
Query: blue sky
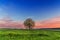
pixel 35 9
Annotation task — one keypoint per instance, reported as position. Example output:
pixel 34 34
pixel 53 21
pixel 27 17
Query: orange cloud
pixel 50 23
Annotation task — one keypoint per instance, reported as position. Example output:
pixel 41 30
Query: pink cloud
pixel 8 23
pixel 49 23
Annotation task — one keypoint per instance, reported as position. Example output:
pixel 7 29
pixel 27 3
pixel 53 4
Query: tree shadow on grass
pixel 43 35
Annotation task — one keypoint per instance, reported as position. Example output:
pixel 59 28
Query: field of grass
pixel 16 34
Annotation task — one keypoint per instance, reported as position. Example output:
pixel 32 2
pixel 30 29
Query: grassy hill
pixel 16 34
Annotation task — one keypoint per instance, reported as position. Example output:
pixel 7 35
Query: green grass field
pixel 16 34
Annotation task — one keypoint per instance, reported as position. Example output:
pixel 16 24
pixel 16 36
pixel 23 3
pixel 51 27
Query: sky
pixel 35 9
pixel 45 13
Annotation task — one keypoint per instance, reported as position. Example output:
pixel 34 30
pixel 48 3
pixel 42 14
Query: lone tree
pixel 29 23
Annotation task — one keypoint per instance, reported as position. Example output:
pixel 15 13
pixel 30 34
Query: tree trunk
pixel 30 27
